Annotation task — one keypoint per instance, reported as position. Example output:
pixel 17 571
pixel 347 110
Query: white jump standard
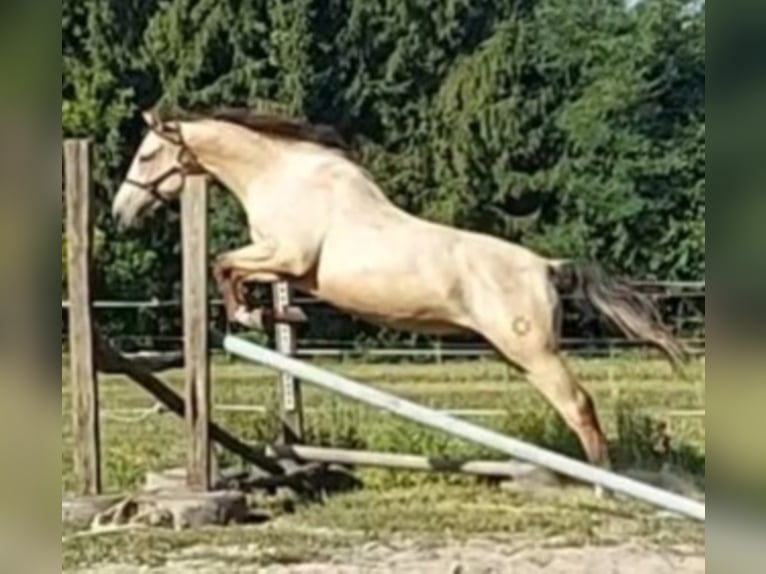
pixel 463 429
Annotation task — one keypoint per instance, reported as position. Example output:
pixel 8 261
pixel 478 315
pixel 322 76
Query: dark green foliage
pixel 575 128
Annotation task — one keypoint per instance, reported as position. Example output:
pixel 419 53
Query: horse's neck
pixel 238 157
pixel 233 155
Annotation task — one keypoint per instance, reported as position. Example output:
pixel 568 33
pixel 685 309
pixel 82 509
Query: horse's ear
pixel 153 119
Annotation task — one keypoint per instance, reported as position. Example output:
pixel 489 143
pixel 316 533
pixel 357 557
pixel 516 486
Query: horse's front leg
pixel 262 262
pixel 232 299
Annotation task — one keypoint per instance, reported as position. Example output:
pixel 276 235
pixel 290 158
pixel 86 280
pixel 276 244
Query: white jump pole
pixel 463 429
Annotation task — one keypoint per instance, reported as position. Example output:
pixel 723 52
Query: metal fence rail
pixel 687 319
pixel 658 289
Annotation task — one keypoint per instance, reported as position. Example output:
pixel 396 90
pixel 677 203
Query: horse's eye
pixel 148 156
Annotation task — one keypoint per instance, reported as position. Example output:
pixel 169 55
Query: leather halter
pixel 185 158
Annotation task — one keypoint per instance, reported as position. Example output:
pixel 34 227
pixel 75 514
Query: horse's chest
pixel 267 219
pixel 282 212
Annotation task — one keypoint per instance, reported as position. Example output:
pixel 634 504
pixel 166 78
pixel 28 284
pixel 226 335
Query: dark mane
pixel 276 126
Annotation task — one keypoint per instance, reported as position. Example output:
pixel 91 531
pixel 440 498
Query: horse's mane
pixel 271 125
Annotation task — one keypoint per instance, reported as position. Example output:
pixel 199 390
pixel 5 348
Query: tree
pixel 632 183
pixel 575 128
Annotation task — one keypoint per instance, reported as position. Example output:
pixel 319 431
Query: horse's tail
pixel 632 312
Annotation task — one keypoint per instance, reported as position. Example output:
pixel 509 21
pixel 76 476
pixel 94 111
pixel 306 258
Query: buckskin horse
pixel 318 220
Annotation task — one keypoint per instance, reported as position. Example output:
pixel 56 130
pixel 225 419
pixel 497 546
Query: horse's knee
pixel 297 263
pixel 222 267
pixel 296 268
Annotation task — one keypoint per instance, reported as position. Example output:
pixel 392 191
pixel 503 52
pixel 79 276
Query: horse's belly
pixel 423 326
pixel 392 273
pixel 408 302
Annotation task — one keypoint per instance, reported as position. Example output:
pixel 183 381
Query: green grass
pixel 633 398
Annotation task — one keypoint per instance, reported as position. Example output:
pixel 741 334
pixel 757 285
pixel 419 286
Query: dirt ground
pixel 478 556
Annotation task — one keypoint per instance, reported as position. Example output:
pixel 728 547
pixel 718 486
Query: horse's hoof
pixel 249 319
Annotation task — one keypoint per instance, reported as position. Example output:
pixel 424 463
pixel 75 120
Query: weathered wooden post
pixel 79 236
pixel 195 310
pixel 290 402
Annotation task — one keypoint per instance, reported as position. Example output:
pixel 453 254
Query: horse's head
pixel 156 174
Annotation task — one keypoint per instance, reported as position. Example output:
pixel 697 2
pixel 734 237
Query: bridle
pixel 184 165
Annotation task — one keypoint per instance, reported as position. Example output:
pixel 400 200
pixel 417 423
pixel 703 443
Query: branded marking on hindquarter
pixel 522 326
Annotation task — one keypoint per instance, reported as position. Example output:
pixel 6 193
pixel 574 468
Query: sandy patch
pixel 479 556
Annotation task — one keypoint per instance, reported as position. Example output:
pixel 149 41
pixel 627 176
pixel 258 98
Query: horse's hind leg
pixel 548 372
pixel 530 346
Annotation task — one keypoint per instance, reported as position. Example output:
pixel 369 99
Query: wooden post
pixel 195 310
pixel 79 234
pixel 290 403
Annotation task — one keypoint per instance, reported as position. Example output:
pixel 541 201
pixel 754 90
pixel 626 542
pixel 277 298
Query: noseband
pixel 171 134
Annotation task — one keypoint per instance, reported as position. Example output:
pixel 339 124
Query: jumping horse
pixel 318 220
